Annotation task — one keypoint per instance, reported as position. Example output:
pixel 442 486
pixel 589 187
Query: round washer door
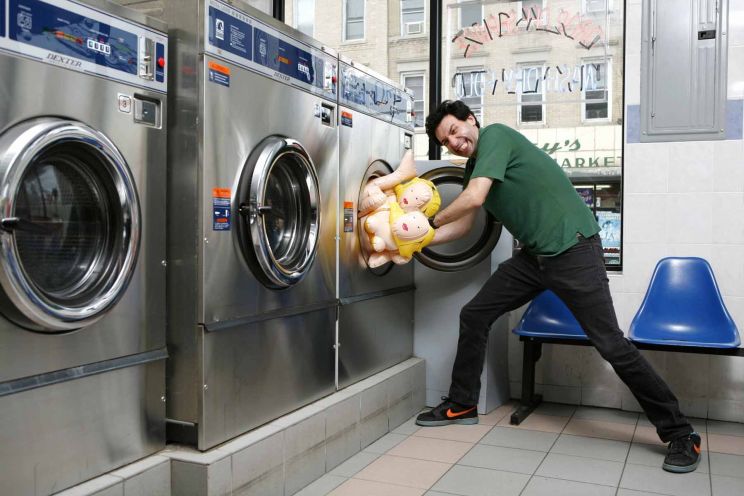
pixel 70 225
pixel 377 168
pixel 278 202
pixel 469 250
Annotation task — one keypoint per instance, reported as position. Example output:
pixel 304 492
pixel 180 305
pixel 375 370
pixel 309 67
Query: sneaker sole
pixel 436 423
pixel 679 469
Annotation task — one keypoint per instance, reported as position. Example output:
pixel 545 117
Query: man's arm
pixel 454 230
pixel 466 203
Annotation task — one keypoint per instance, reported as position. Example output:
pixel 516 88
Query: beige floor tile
pixel 436 450
pixel 600 429
pixel 497 415
pixel 732 445
pixel 455 432
pixel 647 435
pixel 402 471
pixel 356 487
pixel 537 422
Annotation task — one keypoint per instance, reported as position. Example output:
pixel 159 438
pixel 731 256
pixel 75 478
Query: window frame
pixel 422 75
pixel 471 69
pixel 345 20
pixel 403 32
pixel 296 23
pixel 543 122
pixel 459 14
pixel 584 11
pixel 608 87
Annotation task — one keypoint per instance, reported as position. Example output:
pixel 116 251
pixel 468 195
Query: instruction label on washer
pixel 219 74
pixel 221 209
pixel 347 119
pixel 348 216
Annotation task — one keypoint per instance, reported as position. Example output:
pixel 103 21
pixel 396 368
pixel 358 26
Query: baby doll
pixel 394 215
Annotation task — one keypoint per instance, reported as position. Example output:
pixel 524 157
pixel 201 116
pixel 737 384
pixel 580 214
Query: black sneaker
pixel 448 412
pixel 683 455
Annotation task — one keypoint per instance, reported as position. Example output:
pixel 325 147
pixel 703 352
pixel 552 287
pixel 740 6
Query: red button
pixel 161 62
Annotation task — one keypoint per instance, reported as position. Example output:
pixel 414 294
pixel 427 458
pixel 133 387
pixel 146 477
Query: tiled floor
pixel 559 450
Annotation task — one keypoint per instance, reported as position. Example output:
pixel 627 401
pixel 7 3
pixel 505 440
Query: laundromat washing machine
pixel 82 244
pixel 252 207
pixel 375 131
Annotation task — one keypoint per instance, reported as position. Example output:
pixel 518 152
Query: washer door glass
pixel 472 248
pixel 70 225
pixel 278 199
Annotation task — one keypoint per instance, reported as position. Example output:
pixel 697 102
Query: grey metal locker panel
pixel 683 70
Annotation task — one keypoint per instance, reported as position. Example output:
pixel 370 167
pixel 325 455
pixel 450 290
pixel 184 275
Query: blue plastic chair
pixel 548 317
pixel 683 307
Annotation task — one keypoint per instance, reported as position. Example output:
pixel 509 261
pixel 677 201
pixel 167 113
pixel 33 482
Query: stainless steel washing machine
pixel 82 244
pixel 375 130
pixel 252 206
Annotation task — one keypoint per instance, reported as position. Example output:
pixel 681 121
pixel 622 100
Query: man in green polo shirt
pixel 529 193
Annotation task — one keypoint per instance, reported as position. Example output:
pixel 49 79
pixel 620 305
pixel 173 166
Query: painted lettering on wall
pixel 563 78
pixel 587 33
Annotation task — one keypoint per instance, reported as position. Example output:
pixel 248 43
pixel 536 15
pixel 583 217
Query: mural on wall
pixel 556 21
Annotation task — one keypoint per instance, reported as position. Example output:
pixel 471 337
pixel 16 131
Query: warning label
pixel 348 216
pixel 221 209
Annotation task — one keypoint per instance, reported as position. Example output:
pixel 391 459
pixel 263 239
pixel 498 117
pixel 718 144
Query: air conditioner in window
pixel 414 27
pixel 598 6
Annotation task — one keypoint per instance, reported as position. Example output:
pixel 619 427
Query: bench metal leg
pixel 530 400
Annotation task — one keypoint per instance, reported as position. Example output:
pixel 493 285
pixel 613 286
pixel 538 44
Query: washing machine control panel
pixel 80 38
pixel 247 41
pixel 371 95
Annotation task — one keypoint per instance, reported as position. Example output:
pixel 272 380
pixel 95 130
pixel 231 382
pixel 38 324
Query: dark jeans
pixel 579 278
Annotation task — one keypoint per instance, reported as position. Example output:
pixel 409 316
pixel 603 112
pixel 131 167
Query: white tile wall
pixel 690 167
pixel 646 168
pixel 728 213
pixel 281 457
pixel 728 166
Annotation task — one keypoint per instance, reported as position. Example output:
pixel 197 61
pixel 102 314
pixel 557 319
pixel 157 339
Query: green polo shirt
pixel 530 195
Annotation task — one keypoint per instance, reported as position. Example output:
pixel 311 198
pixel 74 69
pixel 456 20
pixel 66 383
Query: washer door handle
pixel 9 224
pixel 12 224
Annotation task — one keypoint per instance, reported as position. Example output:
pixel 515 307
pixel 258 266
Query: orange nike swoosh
pixel 451 414
pixel 696 448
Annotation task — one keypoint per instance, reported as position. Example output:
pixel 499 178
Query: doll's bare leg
pixel 372 199
pixel 400 259
pixel 378 259
pixel 405 171
pixel 378 244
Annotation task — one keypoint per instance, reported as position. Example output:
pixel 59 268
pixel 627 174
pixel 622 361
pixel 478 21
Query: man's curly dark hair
pixel 447 107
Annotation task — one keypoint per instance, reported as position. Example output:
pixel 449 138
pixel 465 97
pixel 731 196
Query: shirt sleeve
pixel 494 153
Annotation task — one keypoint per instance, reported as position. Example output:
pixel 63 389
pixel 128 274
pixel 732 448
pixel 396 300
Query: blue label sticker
pixel 72 37
pixel 159 69
pixel 220 209
pixel 230 34
pixel 2 20
pixel 219 78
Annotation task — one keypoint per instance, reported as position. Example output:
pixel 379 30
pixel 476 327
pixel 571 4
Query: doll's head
pixel 411 231
pixel 418 194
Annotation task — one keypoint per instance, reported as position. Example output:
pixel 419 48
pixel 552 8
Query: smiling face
pixel 459 137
